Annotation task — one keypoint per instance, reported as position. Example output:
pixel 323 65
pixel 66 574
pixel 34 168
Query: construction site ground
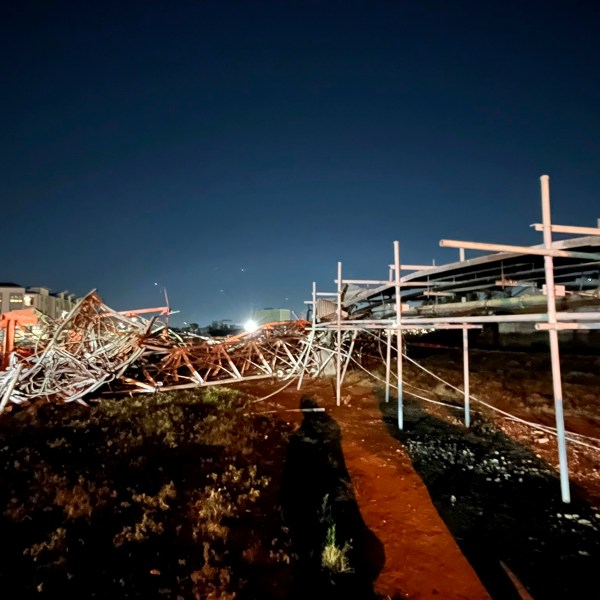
pixel 433 511
pixel 470 514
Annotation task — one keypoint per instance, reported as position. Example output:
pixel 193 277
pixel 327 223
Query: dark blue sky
pixel 180 141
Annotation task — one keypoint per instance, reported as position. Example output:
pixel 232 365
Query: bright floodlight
pixel 250 325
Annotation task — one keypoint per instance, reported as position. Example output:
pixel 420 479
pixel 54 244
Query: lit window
pixel 15 301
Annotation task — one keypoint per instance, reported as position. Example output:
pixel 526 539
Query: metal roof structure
pixel 498 275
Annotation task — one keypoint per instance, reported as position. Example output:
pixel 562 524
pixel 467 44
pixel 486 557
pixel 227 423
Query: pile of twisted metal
pixel 96 347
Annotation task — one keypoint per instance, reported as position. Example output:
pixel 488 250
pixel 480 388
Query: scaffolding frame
pixel 551 321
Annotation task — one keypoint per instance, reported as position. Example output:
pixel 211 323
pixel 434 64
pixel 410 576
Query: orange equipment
pixel 10 321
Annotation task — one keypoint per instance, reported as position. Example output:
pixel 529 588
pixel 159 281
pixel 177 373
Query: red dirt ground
pixel 435 539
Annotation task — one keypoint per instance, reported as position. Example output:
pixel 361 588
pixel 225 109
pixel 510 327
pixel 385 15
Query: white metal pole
pixel 466 382
pixel 314 304
pixel 553 338
pixel 311 336
pixel 520 249
pixel 388 363
pixel 338 387
pixel 398 333
pixel 461 254
pixel 569 229
pixel 465 336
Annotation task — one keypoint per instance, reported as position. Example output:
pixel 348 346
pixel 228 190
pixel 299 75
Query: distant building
pixel 12 297
pixel 222 328
pixel 272 315
pixel 64 302
pixel 16 297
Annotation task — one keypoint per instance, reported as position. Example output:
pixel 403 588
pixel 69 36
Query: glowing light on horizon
pixel 250 326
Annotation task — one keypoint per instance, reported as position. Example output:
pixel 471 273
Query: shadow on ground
pixel 502 504
pixel 318 501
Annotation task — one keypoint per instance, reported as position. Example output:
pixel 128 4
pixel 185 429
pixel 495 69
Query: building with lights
pixel 53 305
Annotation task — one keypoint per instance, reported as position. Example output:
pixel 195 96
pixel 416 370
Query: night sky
pixel 233 152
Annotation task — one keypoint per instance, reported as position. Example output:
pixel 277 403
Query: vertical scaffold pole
pixel 314 305
pixel 553 338
pixel 398 333
pixel 311 336
pixel 466 382
pixel 388 363
pixel 338 386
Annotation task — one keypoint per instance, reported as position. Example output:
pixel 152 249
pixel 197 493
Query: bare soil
pixel 215 495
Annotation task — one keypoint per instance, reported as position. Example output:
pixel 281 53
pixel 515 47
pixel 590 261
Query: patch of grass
pixel 151 523
pixel 175 485
pixel 221 397
pixel 335 557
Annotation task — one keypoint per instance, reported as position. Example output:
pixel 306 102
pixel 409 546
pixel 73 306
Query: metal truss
pixel 274 350
pixel 95 347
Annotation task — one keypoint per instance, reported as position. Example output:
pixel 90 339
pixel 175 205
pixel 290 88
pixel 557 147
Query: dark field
pixel 209 495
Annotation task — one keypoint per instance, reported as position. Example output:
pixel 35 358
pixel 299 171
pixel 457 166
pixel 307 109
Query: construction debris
pixel 74 357
pixel 93 346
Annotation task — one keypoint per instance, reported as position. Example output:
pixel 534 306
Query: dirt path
pixel 422 559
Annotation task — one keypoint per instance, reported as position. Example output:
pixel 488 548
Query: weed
pixel 333 557
pixel 57 543
pixel 151 523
